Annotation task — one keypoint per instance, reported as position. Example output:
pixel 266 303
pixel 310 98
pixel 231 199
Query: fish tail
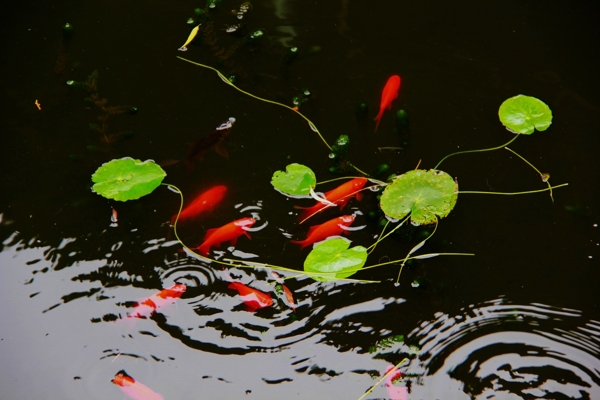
pixel 378 118
pixel 307 211
pixel 302 243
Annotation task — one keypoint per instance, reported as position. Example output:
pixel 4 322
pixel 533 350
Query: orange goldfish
pixel 390 92
pixel 158 300
pixel 252 298
pixel 134 389
pixel 227 233
pixel 333 227
pixel 339 195
pixel 205 202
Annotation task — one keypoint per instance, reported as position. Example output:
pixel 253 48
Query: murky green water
pixel 519 320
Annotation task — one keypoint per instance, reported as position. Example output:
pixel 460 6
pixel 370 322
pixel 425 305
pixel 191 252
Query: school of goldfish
pixel 253 299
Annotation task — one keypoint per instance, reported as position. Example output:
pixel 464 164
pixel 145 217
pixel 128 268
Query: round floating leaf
pixel 127 179
pixel 336 259
pixel 297 180
pixel 423 194
pixel 524 114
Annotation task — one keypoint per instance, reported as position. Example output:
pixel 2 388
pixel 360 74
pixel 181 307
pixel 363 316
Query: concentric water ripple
pixel 499 350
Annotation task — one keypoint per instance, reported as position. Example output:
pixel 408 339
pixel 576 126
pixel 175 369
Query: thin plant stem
pixel 476 151
pixel 392 370
pixel 372 247
pixel 390 232
pixel 515 193
pixel 310 123
pixel 241 263
pixel 543 176
pixel 417 247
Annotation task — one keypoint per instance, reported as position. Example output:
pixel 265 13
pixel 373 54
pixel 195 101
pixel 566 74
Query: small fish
pixel 134 389
pixel 288 293
pixel 205 202
pixel 333 227
pixel 252 298
pixel 395 392
pixel 114 218
pixel 213 140
pixel 390 92
pixel 158 300
pixel 339 195
pixel 193 34
pixel 227 233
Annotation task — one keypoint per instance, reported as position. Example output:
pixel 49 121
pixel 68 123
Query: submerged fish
pixel 213 140
pixel 205 202
pixel 390 92
pixel 133 388
pixel 253 299
pixel 339 196
pixel 333 227
pixel 227 233
pixel 158 300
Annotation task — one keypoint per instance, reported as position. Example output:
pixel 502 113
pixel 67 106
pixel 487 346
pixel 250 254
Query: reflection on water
pixel 507 351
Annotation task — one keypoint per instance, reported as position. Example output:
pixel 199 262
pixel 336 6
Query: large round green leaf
pixel 423 194
pixel 334 258
pixel 524 114
pixel 297 180
pixel 127 179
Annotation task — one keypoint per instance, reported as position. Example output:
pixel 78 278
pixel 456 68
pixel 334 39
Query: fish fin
pixel 233 241
pixel 342 203
pixel 312 229
pixel 302 243
pixel 378 118
pixel 359 196
pixel 221 150
pixel 247 235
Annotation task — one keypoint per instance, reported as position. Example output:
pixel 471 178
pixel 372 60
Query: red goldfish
pixel 395 392
pixel 134 389
pixel 339 195
pixel 390 92
pixel 205 202
pixel 252 298
pixel 333 227
pixel 227 233
pixel 288 293
pixel 158 300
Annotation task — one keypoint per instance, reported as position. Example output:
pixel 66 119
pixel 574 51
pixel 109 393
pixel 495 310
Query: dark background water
pixel 519 317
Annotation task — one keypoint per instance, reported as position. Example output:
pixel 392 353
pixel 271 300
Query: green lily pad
pixel 127 179
pixel 297 180
pixel 334 258
pixel 524 114
pixel 426 195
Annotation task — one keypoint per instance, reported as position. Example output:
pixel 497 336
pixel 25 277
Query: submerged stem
pixel 545 177
pixel 417 247
pixel 310 123
pixel 476 151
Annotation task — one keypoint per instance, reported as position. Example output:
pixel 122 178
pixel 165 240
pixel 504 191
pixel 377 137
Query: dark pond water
pixel 519 320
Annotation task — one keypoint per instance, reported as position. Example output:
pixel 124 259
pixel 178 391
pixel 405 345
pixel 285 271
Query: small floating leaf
pixel 336 259
pixel 423 194
pixel 524 114
pixel 127 179
pixel 297 180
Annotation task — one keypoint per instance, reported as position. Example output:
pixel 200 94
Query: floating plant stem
pixel 476 151
pixel 310 123
pixel 389 233
pixel 515 193
pixel 242 263
pixel 545 177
